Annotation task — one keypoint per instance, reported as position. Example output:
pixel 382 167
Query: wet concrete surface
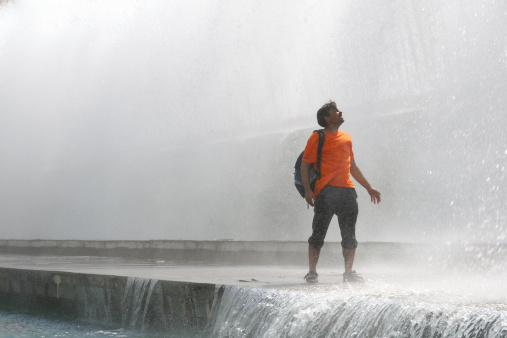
pixel 197 272
pixel 484 289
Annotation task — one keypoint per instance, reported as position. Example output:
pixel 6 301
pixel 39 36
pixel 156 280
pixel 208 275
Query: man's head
pixel 323 114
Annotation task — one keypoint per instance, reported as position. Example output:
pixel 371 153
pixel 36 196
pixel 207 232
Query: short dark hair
pixel 324 112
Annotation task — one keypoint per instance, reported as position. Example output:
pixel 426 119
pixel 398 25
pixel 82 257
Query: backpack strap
pixel 322 138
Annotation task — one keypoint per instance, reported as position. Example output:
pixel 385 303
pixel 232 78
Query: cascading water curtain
pixel 283 313
pixel 136 302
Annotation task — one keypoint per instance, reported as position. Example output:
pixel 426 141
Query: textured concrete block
pixel 15 286
pixel 66 291
pixel 102 298
pixel 4 285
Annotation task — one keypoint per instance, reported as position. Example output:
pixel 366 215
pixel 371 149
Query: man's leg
pixel 348 257
pixel 313 257
pixel 347 217
pixel 321 219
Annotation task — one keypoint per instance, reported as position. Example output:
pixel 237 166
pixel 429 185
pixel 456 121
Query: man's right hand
pixel 310 197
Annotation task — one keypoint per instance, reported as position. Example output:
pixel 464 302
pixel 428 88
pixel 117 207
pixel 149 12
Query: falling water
pixel 335 311
pixel 182 120
pixel 136 302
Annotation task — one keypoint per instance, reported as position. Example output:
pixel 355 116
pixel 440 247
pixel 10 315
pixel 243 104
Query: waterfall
pixel 136 302
pixel 340 312
pixel 100 100
pixel 150 305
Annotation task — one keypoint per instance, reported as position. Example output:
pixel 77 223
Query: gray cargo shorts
pixel 341 202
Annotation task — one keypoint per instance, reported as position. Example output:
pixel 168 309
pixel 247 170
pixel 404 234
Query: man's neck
pixel 331 129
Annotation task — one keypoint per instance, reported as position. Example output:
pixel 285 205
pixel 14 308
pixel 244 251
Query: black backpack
pixel 314 174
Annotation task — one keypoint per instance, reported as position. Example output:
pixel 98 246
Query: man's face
pixel 335 118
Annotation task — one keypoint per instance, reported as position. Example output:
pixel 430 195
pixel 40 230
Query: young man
pixel 334 192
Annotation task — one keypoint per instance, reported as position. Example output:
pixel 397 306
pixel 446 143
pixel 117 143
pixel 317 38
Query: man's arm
pixel 305 177
pixel 359 177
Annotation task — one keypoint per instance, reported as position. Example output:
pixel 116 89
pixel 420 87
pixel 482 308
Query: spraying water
pixel 182 120
pixel 349 313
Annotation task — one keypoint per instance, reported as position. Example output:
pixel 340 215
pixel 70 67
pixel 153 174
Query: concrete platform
pixel 265 263
pixel 160 270
pixel 393 280
pixel 247 275
pixel 185 291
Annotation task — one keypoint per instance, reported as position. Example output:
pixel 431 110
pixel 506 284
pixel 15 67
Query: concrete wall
pixel 225 252
pixel 103 299
pixel 223 246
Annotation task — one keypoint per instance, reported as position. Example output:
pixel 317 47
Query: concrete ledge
pixel 223 246
pixel 223 252
pixel 109 299
pixel 466 255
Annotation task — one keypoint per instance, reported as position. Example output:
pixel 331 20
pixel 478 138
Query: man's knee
pixel 349 243
pixel 316 243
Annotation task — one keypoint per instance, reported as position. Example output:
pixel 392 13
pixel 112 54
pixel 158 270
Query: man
pixel 334 192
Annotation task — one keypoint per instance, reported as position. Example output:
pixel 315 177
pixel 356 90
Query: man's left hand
pixel 374 195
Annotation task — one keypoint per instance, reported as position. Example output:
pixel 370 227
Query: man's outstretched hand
pixel 374 195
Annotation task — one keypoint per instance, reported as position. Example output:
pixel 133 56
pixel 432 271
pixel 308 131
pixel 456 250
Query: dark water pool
pixel 21 323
